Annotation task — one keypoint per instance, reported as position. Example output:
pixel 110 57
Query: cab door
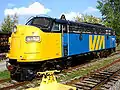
pixel 65 39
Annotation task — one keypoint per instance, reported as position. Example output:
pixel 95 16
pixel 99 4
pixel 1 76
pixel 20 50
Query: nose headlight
pixel 32 39
pixel 14 29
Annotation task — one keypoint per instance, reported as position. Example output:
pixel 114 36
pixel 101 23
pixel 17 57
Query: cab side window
pixel 64 28
pixel 56 27
pixel 29 22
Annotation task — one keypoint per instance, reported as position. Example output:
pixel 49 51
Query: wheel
pixel 22 75
pixel 68 63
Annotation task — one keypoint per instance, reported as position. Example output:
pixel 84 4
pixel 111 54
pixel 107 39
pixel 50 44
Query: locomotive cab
pixel 34 41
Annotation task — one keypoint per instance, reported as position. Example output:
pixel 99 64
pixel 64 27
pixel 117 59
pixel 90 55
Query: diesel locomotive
pixel 50 42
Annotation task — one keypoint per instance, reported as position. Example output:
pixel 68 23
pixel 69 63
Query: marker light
pixel 32 39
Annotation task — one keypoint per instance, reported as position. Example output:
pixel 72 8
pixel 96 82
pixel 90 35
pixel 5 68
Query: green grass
pixel 118 48
pixel 84 71
pixel 4 74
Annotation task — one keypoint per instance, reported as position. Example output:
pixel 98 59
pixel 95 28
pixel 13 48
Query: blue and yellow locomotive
pixel 46 41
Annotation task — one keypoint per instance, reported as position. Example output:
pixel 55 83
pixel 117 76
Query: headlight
pixel 33 39
pixel 14 29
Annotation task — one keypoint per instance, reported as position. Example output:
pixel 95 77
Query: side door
pixel 65 39
pixel 112 38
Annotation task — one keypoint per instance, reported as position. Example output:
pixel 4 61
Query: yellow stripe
pixel 92 42
pixel 97 44
pixel 102 42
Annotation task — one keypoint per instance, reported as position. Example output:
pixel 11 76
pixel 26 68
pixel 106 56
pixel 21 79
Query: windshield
pixel 41 22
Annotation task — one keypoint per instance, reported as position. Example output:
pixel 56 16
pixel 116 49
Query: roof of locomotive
pixel 83 24
pixel 77 23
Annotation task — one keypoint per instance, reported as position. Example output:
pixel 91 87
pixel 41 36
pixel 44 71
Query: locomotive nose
pixel 31 45
pixel 25 43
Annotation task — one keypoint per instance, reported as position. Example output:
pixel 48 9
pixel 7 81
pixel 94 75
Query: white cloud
pixel 34 9
pixel 72 15
pixel 90 10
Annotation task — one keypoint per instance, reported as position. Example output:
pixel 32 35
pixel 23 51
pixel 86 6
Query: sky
pixel 53 8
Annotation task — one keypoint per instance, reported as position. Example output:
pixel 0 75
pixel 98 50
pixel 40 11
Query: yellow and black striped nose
pixel 96 42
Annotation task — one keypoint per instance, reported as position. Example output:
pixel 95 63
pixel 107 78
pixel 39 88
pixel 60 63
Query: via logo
pixel 96 42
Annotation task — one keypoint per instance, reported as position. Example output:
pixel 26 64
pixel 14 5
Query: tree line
pixel 110 10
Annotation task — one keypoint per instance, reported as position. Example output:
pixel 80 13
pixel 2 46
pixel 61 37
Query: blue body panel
pixel 75 45
pixel 110 41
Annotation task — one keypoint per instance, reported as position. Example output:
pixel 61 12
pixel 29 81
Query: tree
pixel 15 19
pixel 88 19
pixel 110 10
pixel 9 22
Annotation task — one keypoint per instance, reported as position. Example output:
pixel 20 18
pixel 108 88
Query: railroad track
pixel 3 56
pixel 4 80
pixel 102 79
pixel 75 68
pixel 7 84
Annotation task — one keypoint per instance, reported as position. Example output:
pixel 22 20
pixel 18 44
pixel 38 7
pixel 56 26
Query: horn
pixel 63 17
